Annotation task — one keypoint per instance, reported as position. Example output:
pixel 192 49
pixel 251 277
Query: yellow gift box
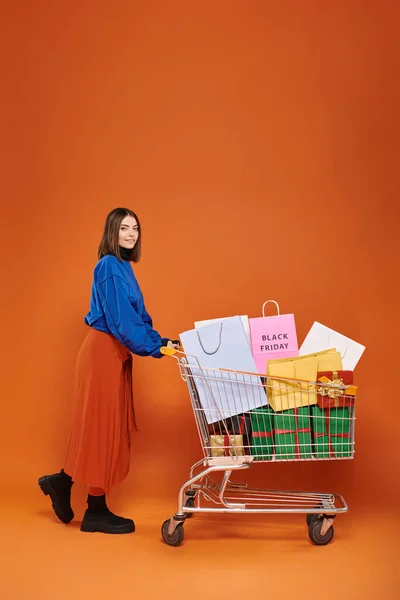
pixel 226 445
pixel 284 393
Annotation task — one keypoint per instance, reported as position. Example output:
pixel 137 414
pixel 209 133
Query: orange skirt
pixel 99 446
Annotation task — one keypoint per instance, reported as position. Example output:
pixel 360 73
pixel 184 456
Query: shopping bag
pixel 320 337
pixel 220 349
pixel 243 318
pixel 284 393
pixel 272 337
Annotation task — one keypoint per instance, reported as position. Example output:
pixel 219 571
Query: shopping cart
pixel 233 437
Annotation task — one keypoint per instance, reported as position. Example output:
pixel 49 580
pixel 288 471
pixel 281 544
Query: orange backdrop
pixel 256 142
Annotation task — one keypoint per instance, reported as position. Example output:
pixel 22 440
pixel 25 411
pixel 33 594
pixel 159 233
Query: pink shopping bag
pixel 273 337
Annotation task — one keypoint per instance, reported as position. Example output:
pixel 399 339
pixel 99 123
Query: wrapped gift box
pixel 241 425
pixel 332 432
pixel 339 390
pixel 226 445
pixel 236 425
pixel 262 436
pixel 292 434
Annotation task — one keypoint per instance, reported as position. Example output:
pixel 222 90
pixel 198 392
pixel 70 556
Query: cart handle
pixel 169 351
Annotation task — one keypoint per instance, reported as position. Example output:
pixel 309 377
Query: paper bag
pixel 244 319
pixel 219 346
pixel 285 394
pixel 273 337
pixel 321 337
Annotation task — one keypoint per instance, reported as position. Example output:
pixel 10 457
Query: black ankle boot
pixel 99 518
pixel 58 487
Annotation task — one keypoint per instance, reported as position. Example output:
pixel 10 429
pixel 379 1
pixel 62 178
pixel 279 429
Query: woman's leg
pixel 99 444
pixel 99 518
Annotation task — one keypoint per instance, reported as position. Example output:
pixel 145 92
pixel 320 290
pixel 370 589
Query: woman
pixel 99 446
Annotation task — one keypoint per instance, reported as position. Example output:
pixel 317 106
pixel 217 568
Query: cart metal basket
pixel 309 421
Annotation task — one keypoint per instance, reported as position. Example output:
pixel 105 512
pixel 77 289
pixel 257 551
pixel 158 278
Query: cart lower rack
pixel 237 426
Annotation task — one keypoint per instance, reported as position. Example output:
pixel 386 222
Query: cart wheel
pixel 189 504
pixel 176 538
pixel 311 518
pixel 314 531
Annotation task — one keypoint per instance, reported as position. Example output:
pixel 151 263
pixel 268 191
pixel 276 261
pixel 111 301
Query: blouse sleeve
pixel 149 323
pixel 124 322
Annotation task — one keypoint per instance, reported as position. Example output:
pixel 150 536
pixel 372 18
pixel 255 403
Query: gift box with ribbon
pixel 339 390
pixel 292 434
pixel 236 425
pixel 226 445
pixel 332 432
pixel 241 425
pixel 262 440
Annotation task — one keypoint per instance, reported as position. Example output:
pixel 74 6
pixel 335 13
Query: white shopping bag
pixel 321 337
pixel 223 345
pixel 243 318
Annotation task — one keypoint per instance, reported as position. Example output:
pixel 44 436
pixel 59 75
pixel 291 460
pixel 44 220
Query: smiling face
pixel 121 230
pixel 128 233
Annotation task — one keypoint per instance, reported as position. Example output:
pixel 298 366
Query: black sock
pixel 97 502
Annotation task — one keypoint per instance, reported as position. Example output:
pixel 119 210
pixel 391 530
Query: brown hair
pixel 110 241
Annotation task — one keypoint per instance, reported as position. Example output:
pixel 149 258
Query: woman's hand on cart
pixel 170 348
pixel 174 344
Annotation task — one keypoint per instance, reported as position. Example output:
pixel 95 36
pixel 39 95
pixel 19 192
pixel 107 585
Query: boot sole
pixel 48 490
pixel 102 528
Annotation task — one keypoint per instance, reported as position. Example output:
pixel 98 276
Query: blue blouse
pixel 117 307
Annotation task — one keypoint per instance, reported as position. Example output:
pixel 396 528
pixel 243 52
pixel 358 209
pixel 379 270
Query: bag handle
pixel 273 302
pixel 345 352
pixel 219 341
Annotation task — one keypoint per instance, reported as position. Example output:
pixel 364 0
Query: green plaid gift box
pixel 331 437
pixel 292 433
pixel 262 440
